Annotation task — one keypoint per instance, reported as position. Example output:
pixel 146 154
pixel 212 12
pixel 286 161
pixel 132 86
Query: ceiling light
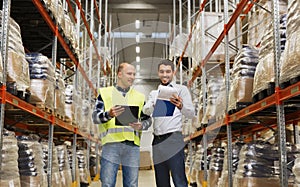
pixel 137 59
pixel 137 49
pixel 137 24
pixel 137 38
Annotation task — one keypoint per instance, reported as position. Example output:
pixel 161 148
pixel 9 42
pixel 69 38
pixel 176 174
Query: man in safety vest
pixel 120 142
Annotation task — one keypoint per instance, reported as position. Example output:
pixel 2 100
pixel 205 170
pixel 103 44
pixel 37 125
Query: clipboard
pixel 130 115
pixel 163 108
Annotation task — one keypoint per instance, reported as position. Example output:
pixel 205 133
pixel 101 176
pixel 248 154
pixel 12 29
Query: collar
pixel 171 84
pixel 124 90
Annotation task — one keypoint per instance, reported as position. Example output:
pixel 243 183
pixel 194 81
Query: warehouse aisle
pixel 146 179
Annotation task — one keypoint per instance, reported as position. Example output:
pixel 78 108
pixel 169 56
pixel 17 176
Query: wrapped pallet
pixel 289 68
pixel 42 82
pixel 17 67
pixel 59 105
pixel 9 173
pixel 30 162
pixel 213 90
pixel 64 166
pixel 215 165
pixel 265 72
pixel 244 66
pixel 86 124
pixel 236 147
pixel 84 173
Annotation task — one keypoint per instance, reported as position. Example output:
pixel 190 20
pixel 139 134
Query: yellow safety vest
pixel 109 132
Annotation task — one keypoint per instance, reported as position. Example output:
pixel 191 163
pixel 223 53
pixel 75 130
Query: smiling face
pixel 126 75
pixel 165 73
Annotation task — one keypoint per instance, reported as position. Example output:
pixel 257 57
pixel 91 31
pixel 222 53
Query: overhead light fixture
pixel 137 24
pixel 137 38
pixel 137 49
pixel 137 59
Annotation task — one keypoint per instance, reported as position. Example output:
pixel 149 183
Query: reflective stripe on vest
pixel 117 130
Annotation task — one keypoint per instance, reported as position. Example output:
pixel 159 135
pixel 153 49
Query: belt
pixel 128 142
pixel 164 136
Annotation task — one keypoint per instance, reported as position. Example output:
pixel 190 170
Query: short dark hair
pixel 166 62
pixel 121 66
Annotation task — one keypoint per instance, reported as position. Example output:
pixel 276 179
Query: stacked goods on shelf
pixel 17 68
pixel 259 18
pixel 259 165
pixel 64 167
pixel 9 172
pixel 199 164
pixel 59 105
pixel 69 106
pixel 30 162
pixel 213 25
pixel 215 165
pixel 42 80
pixel 56 181
pixel 84 173
pixel 236 147
pixel 213 91
pixel 263 83
pixel 86 123
pixel 290 59
pixel 241 83
pixel 220 102
pixel 63 19
pixel 73 105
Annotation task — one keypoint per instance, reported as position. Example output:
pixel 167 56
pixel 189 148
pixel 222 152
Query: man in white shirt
pixel 168 144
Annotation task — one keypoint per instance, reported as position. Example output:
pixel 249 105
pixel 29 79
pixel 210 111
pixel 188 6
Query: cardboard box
pixel 145 160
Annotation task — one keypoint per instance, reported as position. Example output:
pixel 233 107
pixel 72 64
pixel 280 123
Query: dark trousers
pixel 168 157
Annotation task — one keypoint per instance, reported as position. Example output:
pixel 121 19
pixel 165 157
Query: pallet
pixel 239 106
pixel 59 116
pixel 11 87
pixel 145 168
pixel 264 93
pixel 43 107
pixel 289 82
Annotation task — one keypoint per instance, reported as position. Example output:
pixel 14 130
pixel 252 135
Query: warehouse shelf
pixel 36 111
pixel 283 95
pixel 40 6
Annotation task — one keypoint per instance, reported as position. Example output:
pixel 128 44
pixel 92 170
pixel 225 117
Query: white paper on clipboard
pixel 165 92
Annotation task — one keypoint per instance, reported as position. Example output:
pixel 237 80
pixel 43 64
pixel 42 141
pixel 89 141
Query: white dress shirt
pixel 168 124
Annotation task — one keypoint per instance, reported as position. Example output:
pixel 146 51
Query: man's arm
pixel 149 106
pixel 99 115
pixel 188 109
pixel 146 121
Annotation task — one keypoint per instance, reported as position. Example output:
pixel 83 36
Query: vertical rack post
pixel 203 88
pixel 50 154
pixel 279 104
pixel 51 125
pixel 4 50
pixel 74 182
pixel 99 43
pixel 227 83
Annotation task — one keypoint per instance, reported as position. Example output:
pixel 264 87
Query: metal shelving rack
pixel 37 113
pixel 275 100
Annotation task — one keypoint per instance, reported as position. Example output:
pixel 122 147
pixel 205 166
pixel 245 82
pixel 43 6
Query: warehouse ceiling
pixel 154 17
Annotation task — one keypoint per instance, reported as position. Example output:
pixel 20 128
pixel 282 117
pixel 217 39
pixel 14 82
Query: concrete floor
pixel 146 178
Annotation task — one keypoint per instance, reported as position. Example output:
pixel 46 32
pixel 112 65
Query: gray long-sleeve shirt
pixel 163 125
